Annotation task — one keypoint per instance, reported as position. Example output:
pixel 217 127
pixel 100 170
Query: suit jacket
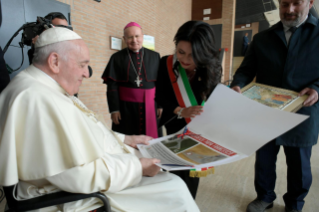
pixel 4 75
pixel 245 41
pixel 294 67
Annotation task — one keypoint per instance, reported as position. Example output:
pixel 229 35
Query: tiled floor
pixel 231 188
pixel 236 63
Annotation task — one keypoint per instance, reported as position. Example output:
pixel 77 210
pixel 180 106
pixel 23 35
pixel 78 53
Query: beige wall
pixel 228 22
pixel 96 22
pixel 198 6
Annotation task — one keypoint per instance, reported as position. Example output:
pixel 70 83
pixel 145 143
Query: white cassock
pixel 51 141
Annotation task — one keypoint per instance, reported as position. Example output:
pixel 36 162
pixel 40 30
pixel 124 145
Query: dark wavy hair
pixel 204 53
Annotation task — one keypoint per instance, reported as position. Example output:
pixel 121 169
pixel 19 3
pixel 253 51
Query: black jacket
pixel 292 67
pixel 165 97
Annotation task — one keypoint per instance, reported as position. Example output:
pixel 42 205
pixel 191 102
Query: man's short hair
pixel 54 15
pixel 63 48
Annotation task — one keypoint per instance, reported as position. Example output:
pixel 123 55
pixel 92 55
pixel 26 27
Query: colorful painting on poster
pixel 270 96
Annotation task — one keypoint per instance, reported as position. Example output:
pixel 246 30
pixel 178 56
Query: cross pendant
pixel 138 81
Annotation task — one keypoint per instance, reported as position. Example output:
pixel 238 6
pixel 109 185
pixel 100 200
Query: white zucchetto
pixel 55 35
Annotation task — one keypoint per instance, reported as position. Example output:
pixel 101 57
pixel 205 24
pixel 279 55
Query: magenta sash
pixel 146 96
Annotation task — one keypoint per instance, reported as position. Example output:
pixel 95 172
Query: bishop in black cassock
pixel 130 77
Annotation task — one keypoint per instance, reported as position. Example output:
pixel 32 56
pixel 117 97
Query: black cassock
pixel 4 75
pixel 120 73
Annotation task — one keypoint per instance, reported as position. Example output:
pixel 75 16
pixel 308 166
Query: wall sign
pixel 116 43
pixel 149 42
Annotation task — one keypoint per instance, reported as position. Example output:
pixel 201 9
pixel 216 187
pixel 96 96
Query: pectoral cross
pixel 138 81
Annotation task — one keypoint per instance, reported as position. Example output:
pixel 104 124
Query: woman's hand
pixel 189 112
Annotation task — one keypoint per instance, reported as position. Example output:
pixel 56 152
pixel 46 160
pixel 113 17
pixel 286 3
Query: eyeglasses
pixel 68 27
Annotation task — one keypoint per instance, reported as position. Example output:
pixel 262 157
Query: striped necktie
pixel 292 30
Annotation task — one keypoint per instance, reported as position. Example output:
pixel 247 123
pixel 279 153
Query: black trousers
pixel 191 182
pixel 299 177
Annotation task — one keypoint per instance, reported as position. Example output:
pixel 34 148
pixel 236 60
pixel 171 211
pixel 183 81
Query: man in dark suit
pixel 286 56
pixel 4 75
pixel 245 44
pixel 57 19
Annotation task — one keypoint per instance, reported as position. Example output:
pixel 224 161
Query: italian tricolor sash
pixel 185 98
pixel 182 88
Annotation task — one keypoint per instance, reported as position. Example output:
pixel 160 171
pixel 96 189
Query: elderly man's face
pixel 293 12
pixel 75 68
pixel 133 38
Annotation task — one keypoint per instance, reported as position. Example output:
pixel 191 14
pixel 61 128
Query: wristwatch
pixel 179 113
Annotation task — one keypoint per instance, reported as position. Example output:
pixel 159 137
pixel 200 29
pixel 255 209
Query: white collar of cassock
pixel 44 78
pixel 49 81
pixel 136 51
pixel 50 77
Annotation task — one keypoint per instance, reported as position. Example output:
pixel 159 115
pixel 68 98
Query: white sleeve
pixel 120 136
pixel 129 148
pixel 110 173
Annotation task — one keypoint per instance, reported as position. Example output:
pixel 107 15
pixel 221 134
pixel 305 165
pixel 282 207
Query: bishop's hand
pixel 35 39
pixel 116 117
pixel 133 140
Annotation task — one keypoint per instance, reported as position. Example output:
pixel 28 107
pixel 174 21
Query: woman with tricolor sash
pixel 185 81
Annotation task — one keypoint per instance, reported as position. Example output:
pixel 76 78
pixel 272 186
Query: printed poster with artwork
pixel 185 151
pixel 230 128
pixel 277 98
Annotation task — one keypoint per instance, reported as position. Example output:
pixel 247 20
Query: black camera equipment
pixel 31 30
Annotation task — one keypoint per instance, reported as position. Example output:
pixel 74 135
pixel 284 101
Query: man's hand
pixel 35 39
pixel 148 166
pixel 116 117
pixel 133 140
pixel 159 112
pixel 237 89
pixel 312 96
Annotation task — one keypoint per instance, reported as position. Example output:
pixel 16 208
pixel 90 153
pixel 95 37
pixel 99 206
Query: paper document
pixel 230 128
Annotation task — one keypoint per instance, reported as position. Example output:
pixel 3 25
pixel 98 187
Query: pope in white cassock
pixel 50 141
